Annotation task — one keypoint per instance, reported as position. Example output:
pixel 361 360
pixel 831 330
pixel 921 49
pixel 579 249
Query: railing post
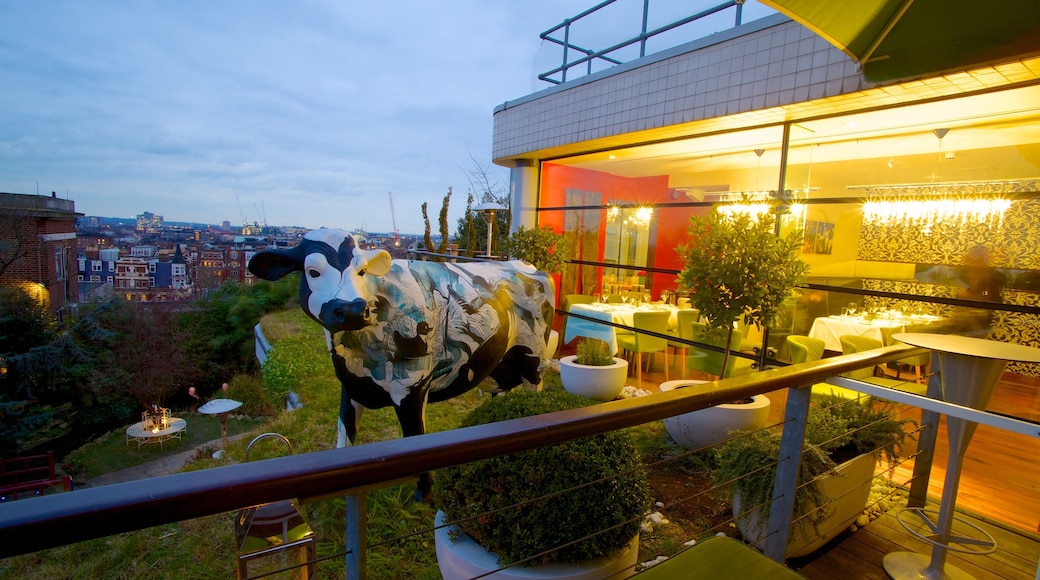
pixel 788 462
pixel 918 495
pixel 356 537
pixel 565 66
pixel 642 33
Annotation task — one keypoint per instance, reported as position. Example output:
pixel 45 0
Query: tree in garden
pixel 427 240
pixel 443 222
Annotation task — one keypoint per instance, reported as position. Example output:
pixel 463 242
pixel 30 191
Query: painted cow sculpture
pixel 405 333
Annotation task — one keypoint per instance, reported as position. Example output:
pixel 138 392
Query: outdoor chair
pixel 686 319
pixel 853 343
pixel 807 349
pixel 274 527
pixel 640 342
pixel 710 361
pixel 918 363
pixel 570 300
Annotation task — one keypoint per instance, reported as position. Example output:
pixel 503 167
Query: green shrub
pixel 515 533
pixel 593 352
pixel 293 362
pixel 836 430
pixel 250 390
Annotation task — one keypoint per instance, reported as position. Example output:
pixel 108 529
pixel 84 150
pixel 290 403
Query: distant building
pixel 149 223
pixel 37 245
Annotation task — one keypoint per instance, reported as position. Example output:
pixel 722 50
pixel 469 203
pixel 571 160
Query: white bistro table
pixel 830 329
pixel 143 435
pixel 969 369
pixel 616 313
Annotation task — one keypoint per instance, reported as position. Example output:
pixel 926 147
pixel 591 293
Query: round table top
pixel 218 406
pixel 966 345
pixel 175 424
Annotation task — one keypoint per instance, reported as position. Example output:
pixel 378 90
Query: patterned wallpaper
pixel 1014 243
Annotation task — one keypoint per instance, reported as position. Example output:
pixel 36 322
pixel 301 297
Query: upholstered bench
pixel 719 558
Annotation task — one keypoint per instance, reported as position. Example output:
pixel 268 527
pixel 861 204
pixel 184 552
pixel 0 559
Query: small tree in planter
pixel 476 493
pixel 593 371
pixel 735 265
pixel 542 247
pixel 837 431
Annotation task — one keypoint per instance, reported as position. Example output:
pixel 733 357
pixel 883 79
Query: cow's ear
pixel 379 261
pixel 273 264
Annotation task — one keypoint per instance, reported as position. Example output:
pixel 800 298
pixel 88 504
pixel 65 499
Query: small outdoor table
pixel 143 435
pixel 221 408
pixel 970 369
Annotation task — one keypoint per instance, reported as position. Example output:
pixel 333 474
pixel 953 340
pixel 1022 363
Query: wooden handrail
pixel 45 522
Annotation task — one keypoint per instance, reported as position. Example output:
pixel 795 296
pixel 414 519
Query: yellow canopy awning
pixel 903 39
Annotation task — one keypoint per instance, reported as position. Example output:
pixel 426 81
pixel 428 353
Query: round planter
pixel 462 558
pixel 848 491
pixel 601 383
pixel 711 426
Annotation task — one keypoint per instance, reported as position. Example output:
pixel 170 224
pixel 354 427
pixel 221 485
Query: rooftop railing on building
pixel 661 24
pixel 39 523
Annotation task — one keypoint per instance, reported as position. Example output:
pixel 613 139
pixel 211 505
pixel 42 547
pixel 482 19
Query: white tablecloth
pixel 829 329
pixel 616 313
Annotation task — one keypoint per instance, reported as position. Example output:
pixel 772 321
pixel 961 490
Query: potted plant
pixel 713 425
pixel 844 439
pixel 593 371
pixel 552 507
pixel 736 265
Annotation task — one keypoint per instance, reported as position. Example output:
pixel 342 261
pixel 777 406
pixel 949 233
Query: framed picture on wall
pixel 819 238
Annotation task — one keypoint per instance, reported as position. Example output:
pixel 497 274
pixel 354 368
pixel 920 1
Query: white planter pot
pixel 849 493
pixel 601 383
pixel 711 426
pixel 463 559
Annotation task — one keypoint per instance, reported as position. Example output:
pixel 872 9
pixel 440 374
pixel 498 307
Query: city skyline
pixel 303 115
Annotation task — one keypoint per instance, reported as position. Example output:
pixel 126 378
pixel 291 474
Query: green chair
pixel 854 343
pixel 686 318
pixel 709 361
pixel 918 363
pixel 804 348
pixel 615 299
pixel 719 558
pixel 640 342
pixel 570 300
pixel 807 349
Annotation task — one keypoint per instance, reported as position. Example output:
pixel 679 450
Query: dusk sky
pixel 306 112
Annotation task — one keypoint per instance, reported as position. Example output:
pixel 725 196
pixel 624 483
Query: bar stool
pixel 274 527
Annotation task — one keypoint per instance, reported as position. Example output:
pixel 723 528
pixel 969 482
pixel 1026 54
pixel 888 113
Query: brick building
pixel 38 248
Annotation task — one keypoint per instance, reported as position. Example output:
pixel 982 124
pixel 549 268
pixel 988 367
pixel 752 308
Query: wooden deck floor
pixel 1000 483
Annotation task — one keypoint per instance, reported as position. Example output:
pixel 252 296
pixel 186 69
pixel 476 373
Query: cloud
pixel 312 110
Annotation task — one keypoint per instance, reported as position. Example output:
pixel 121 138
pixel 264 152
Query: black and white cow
pixel 405 332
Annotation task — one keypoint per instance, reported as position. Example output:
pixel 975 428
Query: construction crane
pixel 245 222
pixel 397 241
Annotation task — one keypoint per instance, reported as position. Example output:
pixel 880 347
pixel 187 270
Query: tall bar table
pixel 970 369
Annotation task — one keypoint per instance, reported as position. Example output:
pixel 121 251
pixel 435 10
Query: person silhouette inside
pixel 979 281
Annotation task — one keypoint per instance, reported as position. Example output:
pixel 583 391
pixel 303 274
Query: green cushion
pixel 719 558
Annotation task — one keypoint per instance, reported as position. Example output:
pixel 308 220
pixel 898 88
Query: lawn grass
pixel 205 547
pixel 112 452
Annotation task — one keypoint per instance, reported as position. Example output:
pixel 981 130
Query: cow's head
pixel 331 286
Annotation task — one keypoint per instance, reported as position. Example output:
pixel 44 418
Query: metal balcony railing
pixel 34 524
pixel 666 17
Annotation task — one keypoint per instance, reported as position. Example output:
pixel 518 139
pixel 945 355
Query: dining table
pixel 881 327
pixel 617 313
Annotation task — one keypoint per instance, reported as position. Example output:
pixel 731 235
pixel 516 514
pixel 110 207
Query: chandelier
pixel 924 206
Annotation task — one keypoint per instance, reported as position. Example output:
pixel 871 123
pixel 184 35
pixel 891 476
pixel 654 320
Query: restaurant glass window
pixel 627 211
